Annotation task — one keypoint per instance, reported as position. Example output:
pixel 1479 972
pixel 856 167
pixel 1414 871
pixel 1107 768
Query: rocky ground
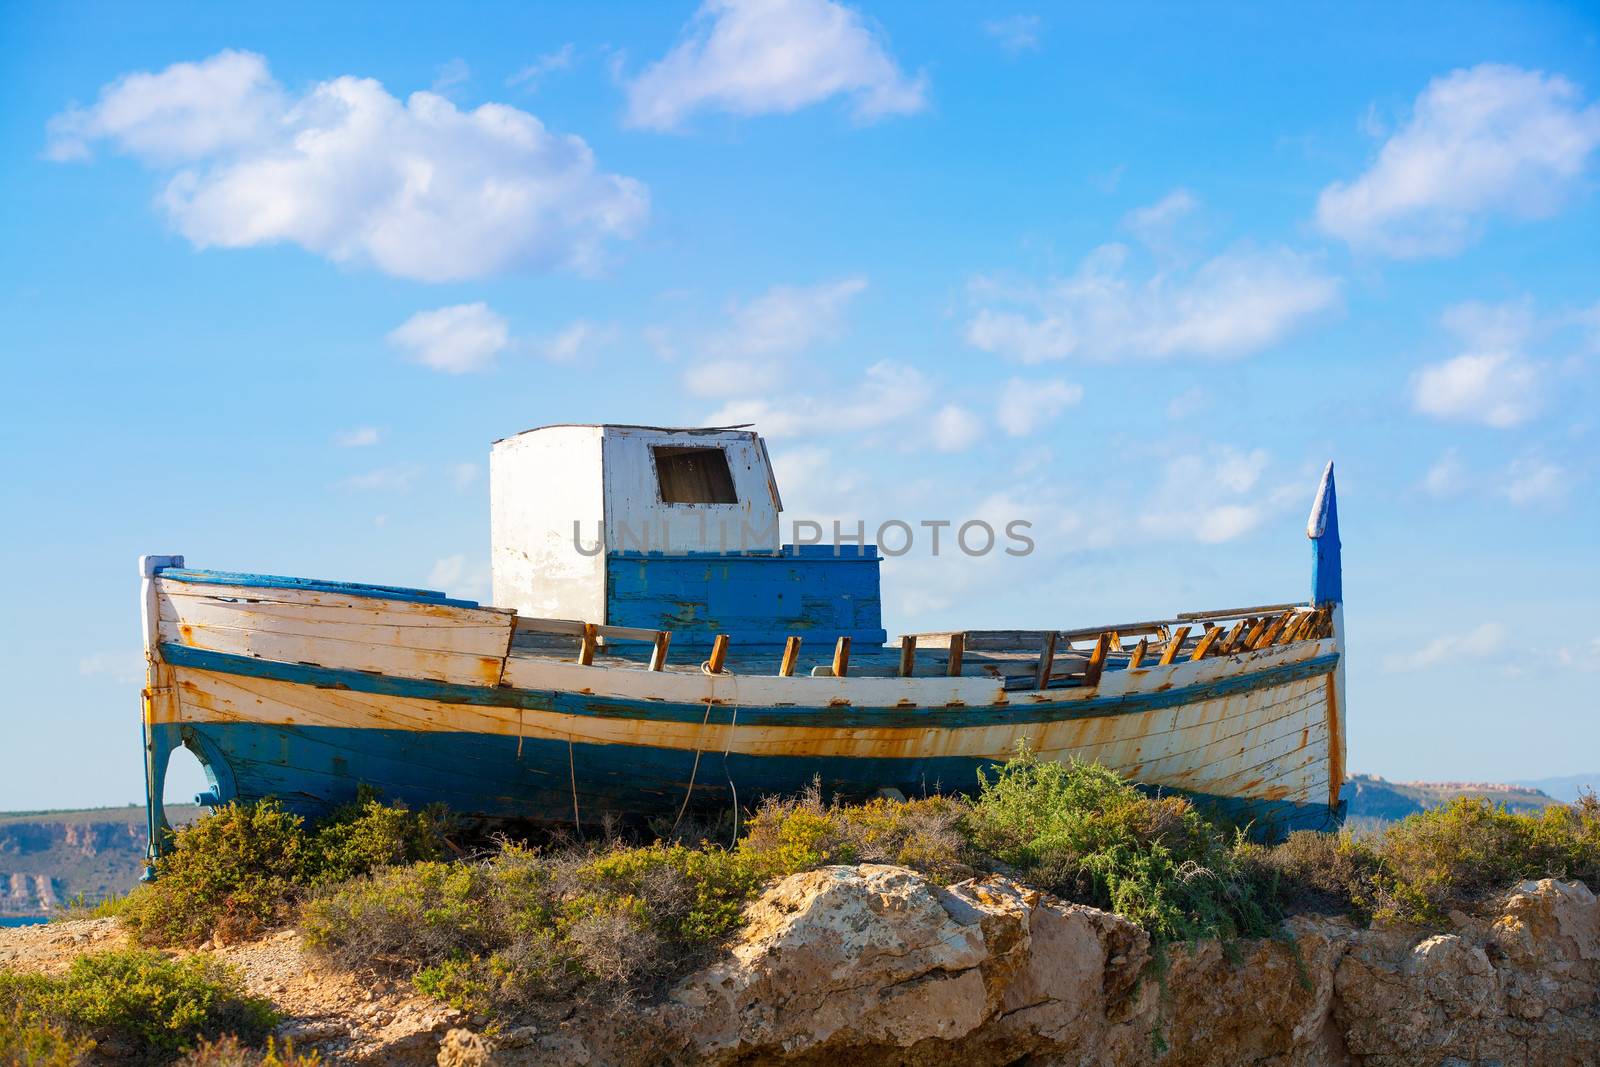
pixel 875 965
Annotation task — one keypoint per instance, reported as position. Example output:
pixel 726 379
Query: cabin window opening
pixel 694 475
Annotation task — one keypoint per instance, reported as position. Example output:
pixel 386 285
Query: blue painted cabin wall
pixel 756 598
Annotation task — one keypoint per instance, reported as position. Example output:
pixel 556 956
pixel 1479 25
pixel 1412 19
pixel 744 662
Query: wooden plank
pixel 1028 640
pixel 574 628
pixel 791 652
pixel 1253 632
pixel 1171 652
pixel 719 654
pixel 908 656
pixel 658 653
pixel 1335 743
pixel 841 657
pixel 564 627
pixel 339 654
pixel 982 640
pixel 958 644
pixel 1131 629
pixel 1206 642
pixel 1234 613
pixel 1325 623
pixel 1270 634
pixel 591 640
pixel 1231 641
pixel 1139 651
pixel 1296 628
pixel 367 621
pixel 1047 659
pixel 1097 662
pixel 628 633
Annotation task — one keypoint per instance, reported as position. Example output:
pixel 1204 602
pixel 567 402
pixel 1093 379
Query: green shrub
pixel 1083 832
pixel 228 1051
pixel 1454 856
pixel 1310 871
pixel 240 869
pixel 230 873
pixel 137 1001
pixel 520 929
pixel 29 1041
pixel 365 834
pixel 801 833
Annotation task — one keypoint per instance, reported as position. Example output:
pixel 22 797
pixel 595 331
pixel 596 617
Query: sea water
pixel 24 920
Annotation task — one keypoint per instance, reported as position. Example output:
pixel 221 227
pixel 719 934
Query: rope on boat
pixel 694 769
pixel 733 722
pixel 572 772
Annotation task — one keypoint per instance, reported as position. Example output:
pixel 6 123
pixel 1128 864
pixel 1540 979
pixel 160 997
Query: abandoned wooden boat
pixel 639 673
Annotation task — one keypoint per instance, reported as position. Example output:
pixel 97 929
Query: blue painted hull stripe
pixel 948 718
pixel 312 768
pixel 312 585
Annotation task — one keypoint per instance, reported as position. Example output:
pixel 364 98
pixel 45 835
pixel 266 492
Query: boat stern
pixel 1327 591
pixel 158 705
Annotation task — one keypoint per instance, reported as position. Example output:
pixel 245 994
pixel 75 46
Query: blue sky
pixel 272 281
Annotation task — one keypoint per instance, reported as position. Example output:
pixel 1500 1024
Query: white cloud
pixel 416 188
pixel 126 668
pixel 1447 477
pixel 1025 406
pixel 530 75
pixel 359 437
pixel 456 340
pixel 1506 325
pixel 1583 659
pixel 1231 305
pixel 451 74
pixel 1482 641
pixel 1210 497
pixel 464 475
pixel 1492 382
pixel 578 338
pixel 1016 33
pixel 454 574
pixel 1498 389
pixel 1531 480
pixel 397 479
pixel 747 355
pixel 1492 139
pixel 186 112
pixel 755 57
pixel 1154 224
pixel 955 429
pixel 888 393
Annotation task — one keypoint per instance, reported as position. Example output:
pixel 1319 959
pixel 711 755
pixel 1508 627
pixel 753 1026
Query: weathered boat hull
pixel 553 740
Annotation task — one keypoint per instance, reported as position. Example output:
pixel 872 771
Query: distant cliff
pixel 1371 797
pixel 51 857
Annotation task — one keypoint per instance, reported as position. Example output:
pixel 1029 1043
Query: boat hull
pixel 1252 738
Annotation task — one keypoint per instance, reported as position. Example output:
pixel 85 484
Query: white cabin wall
pixel 540 483
pixel 633 501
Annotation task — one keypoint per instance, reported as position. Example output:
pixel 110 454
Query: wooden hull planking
pixel 306 690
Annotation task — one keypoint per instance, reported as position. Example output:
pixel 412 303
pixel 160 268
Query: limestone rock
pixel 875 965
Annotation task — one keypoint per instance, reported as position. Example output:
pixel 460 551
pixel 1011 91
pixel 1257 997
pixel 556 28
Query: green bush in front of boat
pixel 131 1006
pixel 1086 834
pixel 240 869
pixel 522 931
pixel 519 930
